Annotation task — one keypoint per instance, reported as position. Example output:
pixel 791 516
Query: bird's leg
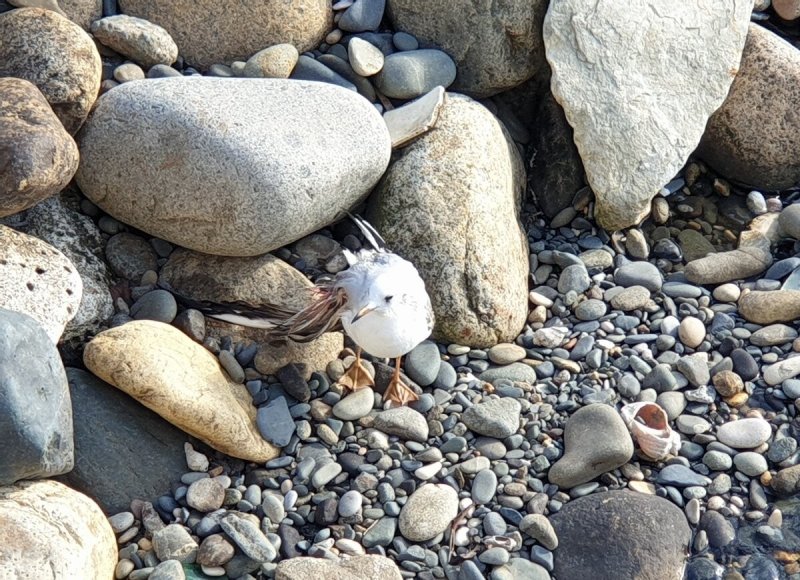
pixel 357 376
pixel 398 391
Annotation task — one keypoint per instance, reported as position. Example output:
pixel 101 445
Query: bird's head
pixel 389 292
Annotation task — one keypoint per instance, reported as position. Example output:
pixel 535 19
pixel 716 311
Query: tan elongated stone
pixel 166 371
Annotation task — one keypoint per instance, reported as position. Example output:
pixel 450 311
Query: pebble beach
pixel 603 202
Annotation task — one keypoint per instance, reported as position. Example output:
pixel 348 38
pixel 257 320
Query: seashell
pixel 649 426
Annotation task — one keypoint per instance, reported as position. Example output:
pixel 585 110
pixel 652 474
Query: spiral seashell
pixel 649 427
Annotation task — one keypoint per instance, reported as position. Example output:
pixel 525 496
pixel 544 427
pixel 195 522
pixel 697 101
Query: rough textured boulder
pixel 112 432
pixel 38 280
pixel 209 32
pixel 81 12
pixel 252 280
pixel 633 102
pixel 496 46
pixel 42 156
pixel 60 223
pixel 357 568
pixel 621 534
pixel 167 372
pixel 244 184
pixel 52 531
pixel 753 144
pixel 449 203
pixel 36 425
pixel 56 55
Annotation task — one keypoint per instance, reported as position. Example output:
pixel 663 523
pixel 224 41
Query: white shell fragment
pixel 649 426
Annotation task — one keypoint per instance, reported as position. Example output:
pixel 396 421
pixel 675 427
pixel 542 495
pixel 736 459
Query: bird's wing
pixel 320 316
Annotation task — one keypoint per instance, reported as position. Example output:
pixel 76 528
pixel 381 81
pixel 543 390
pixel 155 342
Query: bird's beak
pixel 363 312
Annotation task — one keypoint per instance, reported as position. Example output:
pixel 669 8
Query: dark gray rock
pixel 275 422
pixel 620 534
pixel 35 408
pixel 123 450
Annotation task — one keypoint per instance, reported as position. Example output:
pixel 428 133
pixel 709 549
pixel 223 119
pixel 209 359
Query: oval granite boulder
pixel 57 56
pixel 235 167
pixel 449 203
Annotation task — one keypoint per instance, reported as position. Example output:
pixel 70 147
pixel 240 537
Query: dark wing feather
pixel 320 316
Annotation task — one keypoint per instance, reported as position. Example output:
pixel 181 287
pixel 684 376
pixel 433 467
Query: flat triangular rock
pixel 638 80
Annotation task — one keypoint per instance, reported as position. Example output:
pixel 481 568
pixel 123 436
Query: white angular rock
pixel 251 165
pixel 638 81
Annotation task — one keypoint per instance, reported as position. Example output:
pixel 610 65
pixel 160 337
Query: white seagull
pixel 380 301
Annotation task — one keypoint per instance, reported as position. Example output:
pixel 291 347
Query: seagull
pixel 380 301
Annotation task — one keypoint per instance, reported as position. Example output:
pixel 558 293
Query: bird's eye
pixel 388 299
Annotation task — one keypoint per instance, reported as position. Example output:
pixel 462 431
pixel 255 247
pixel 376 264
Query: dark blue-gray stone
pixel 114 433
pixel 680 476
pixel 422 363
pixel 639 274
pixel 620 534
pixel 275 422
pixel 35 408
pixel 782 268
pixel 158 305
pixel 308 69
pixel 362 15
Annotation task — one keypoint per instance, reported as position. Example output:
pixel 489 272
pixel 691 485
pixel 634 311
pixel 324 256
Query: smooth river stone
pixel 744 433
pixel 769 307
pixel 237 179
pixel 782 370
pixel 737 264
pixel 595 441
pixel 169 373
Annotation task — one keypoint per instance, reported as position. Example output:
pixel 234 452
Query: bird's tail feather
pixel 369 232
pixel 320 316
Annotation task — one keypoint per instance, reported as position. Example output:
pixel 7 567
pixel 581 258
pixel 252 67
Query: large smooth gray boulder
pixel 638 81
pixel 449 203
pixel 234 167
pixel 209 32
pixel 621 534
pixel 35 409
pixel 496 45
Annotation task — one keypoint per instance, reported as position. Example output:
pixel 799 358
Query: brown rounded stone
pixel 787 481
pixel 754 144
pixel 209 32
pixel 768 307
pixel 728 383
pixel 215 551
pixel 56 55
pixel 42 156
